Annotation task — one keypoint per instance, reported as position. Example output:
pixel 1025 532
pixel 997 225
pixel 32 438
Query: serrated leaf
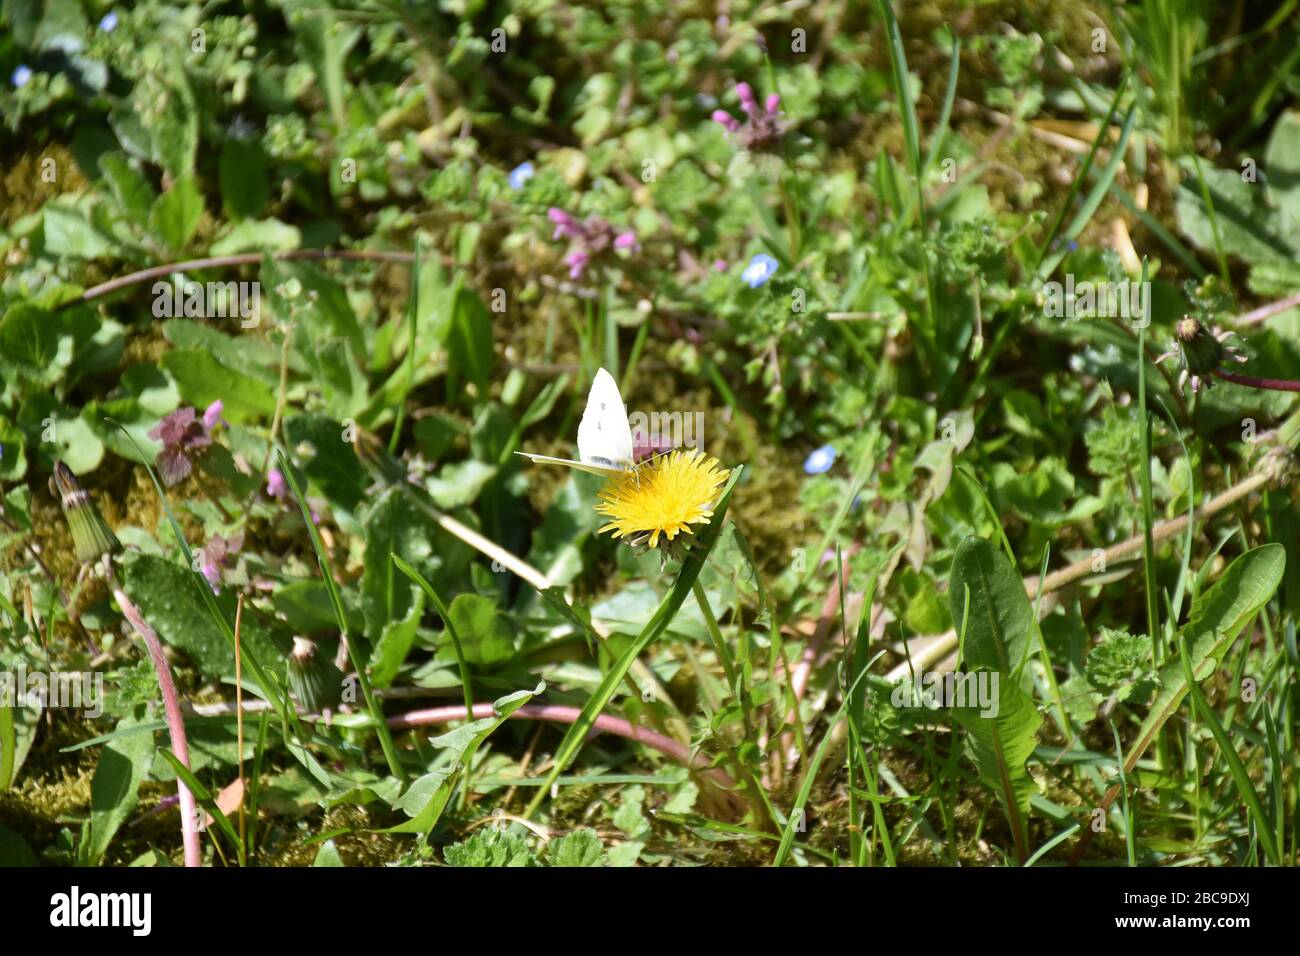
pixel 427 797
pixel 579 848
pixel 68 232
pixel 999 746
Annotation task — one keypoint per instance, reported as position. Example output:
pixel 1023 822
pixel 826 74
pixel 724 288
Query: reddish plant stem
pixel 1267 311
pixel 560 714
pixel 241 259
pixel 175 721
pixel 1250 381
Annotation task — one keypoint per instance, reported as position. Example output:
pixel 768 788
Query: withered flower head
pixel 1201 352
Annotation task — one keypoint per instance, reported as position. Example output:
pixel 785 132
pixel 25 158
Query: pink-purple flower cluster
pixel 219 554
pixel 588 239
pixel 183 435
pixel 763 126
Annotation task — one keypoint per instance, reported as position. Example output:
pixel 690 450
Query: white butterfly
pixel 604 435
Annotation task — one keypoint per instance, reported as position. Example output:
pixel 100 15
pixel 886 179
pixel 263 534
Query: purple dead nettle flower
pixel 588 239
pixel 183 433
pixel 212 415
pixel 217 555
pixel 577 262
pixel 276 486
pixel 763 126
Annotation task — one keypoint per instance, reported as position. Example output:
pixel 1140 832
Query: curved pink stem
pixel 175 723
pixel 561 714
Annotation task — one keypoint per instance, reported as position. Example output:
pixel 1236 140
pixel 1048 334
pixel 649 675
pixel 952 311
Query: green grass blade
pixel 341 618
pixel 1245 787
pixel 441 606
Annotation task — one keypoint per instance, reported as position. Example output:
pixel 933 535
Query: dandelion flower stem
pixel 1250 381
pixel 175 720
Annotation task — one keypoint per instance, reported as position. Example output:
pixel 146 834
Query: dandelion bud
pixel 91 536
pixel 313 679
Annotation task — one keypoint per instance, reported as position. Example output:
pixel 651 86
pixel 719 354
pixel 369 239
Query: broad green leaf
pixel 135 197
pixel 173 123
pixel 114 790
pixel 258 235
pixel 176 213
pixel 321 449
pixel 202 380
pixel 1282 175
pixel 1220 614
pixel 244 185
pixel 250 355
pixel 490 847
pixel 469 340
pixel 459 483
pixel 34 344
pixel 167 599
pixel 394 644
pixel 1001 621
pixel 485 633
pixel 394 525
pixel 305 607
pixel 318 305
pixel 328 855
pixel 68 232
pixel 1246 224
pixel 335 370
pixel 14 850
pixel 323 41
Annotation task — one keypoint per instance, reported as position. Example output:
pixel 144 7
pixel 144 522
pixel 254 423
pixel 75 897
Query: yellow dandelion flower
pixel 664 496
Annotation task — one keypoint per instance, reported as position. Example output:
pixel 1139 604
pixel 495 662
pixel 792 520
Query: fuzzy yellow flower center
pixel 664 496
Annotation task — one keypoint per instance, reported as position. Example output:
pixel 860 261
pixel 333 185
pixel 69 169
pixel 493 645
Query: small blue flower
pixel 521 174
pixel 109 23
pixel 761 268
pixel 21 76
pixel 820 460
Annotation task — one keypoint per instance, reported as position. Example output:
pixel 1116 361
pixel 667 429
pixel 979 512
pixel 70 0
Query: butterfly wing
pixel 604 435
pixel 589 467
